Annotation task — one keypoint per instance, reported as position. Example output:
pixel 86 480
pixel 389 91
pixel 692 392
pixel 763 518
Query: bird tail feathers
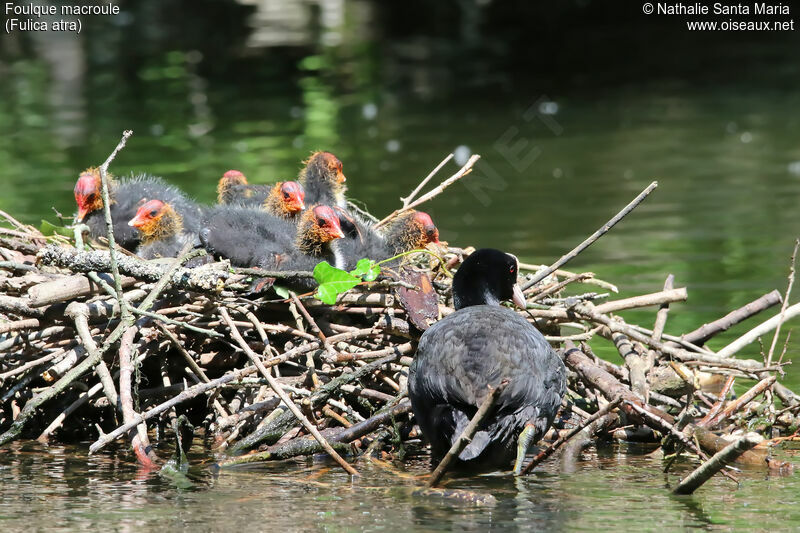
pixel 480 440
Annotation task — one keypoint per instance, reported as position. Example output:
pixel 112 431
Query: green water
pixel 596 119
pixel 61 489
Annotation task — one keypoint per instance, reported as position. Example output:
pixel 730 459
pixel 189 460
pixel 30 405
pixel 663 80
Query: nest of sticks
pixel 104 346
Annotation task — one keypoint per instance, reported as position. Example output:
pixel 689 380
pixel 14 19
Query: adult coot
pixel 481 344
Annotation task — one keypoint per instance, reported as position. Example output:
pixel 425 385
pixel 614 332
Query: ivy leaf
pixel 332 282
pixel 366 269
pixel 48 228
pixel 283 292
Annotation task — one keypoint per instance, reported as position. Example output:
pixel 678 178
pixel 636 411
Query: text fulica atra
pixel 481 344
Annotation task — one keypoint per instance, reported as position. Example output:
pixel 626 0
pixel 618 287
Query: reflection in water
pixel 65 58
pixel 292 23
pixel 612 489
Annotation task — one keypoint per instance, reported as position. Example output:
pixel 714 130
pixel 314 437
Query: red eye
pixel 512 269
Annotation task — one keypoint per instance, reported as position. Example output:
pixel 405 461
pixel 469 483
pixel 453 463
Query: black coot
pixel 481 344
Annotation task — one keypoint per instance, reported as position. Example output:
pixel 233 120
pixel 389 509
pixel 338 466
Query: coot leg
pixel 523 443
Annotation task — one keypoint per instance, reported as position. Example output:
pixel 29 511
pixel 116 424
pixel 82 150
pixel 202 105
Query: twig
pixel 311 428
pixel 592 238
pixel 81 401
pixel 636 363
pixel 32 364
pixel 466 436
pixel 280 274
pixel 645 300
pixel 197 279
pixel 726 387
pixel 719 461
pixel 706 331
pixel 466 169
pixel 342 436
pixel 746 365
pixel 186 355
pixel 761 329
pixel 547 452
pixel 785 303
pixel 663 311
pixel 109 224
pixel 547 291
pixel 591 280
pixel 312 323
pixel 167 320
pixel 660 424
pixel 658 332
pixel 19 225
pixel 740 402
pixel 69 288
pixel 29 323
pixel 187 394
pixel 139 440
pixel 408 199
pixel 79 313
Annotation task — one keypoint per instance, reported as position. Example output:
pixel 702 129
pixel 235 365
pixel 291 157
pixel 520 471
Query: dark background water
pixel 574 107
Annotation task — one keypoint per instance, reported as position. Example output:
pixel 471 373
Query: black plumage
pixel 250 237
pixel 481 344
pixel 408 231
pixel 362 240
pixel 127 195
pixel 323 180
pixel 246 236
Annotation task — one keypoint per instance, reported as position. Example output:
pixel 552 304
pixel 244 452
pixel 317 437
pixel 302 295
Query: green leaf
pixel 283 292
pixel 48 229
pixel 332 282
pixel 366 269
